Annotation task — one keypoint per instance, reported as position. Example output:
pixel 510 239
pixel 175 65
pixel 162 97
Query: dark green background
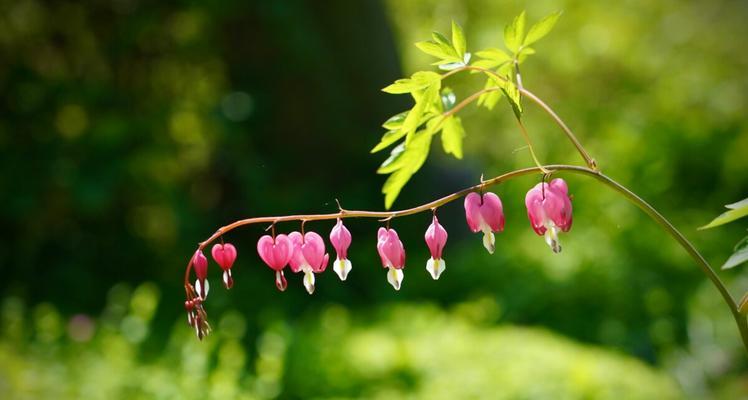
pixel 132 130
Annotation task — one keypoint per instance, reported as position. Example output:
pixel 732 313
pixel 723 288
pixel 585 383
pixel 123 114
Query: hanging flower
pixel 225 255
pixel 340 238
pixel 308 256
pixel 392 253
pixel 485 213
pixel 276 252
pixel 549 210
pixel 436 238
pixel 200 264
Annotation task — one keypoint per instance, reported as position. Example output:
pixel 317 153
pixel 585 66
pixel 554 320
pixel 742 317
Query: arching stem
pixel 740 320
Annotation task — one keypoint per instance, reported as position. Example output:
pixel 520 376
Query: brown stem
pixel 740 320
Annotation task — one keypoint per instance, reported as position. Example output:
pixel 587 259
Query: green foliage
pixel 515 32
pixel 452 54
pixel 431 116
pixel 329 354
pixel 540 29
pixel 419 352
pixel 452 135
pixel 736 211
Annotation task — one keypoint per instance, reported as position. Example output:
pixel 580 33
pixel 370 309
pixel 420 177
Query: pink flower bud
pixel 485 213
pixel 340 238
pixel 276 253
pixel 225 255
pixel 308 256
pixel 200 264
pixel 392 253
pixel 549 210
pixel 436 238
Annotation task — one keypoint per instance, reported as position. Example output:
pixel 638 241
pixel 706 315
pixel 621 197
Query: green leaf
pixel 452 135
pixel 423 100
pixel 539 30
pixel 400 86
pixel 388 139
pixel 523 53
pixel 442 41
pixel 393 162
pixel 409 162
pixel 739 256
pixel 434 49
pixel 458 40
pixel 494 54
pixel 514 33
pixel 489 99
pixel 737 210
pixel 418 80
pixel 513 95
pixel 395 121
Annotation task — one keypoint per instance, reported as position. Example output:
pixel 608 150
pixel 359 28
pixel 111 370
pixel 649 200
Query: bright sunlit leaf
pixel 540 29
pixel 514 33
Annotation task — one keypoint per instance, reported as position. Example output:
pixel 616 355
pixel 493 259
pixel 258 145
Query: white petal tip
pixel 342 268
pixel 489 241
pixel 435 267
pixel 551 237
pixel 395 277
pixel 309 281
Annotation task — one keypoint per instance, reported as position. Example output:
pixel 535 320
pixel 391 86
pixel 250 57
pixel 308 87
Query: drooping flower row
pixel 548 209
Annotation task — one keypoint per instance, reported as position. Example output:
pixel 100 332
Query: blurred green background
pixel 131 130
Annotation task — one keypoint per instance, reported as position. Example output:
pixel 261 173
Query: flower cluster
pixel 548 208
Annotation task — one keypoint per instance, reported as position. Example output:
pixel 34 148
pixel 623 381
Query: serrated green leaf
pixel 395 121
pixel 494 54
pixel 423 100
pixel 394 161
pixel 425 78
pixel 505 70
pixel 458 39
pixel 448 99
pixel 737 210
pixel 417 81
pixel 489 99
pixel 514 32
pixel 400 86
pixel 540 29
pixel 452 135
pixel 409 162
pixel 485 64
pixel 514 98
pixel 441 40
pixel 739 256
pixel 524 53
pixel 388 139
pixel 433 49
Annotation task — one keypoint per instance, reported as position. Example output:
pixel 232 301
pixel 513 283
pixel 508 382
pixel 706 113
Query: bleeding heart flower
pixel 308 256
pixel 549 210
pixel 340 238
pixel 436 238
pixel 276 253
pixel 485 213
pixel 225 255
pixel 200 264
pixel 392 253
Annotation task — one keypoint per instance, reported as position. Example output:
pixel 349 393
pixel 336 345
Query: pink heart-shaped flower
pixel 224 254
pixel 276 253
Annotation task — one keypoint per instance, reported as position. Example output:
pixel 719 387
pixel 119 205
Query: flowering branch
pixel 656 216
pixel 548 204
